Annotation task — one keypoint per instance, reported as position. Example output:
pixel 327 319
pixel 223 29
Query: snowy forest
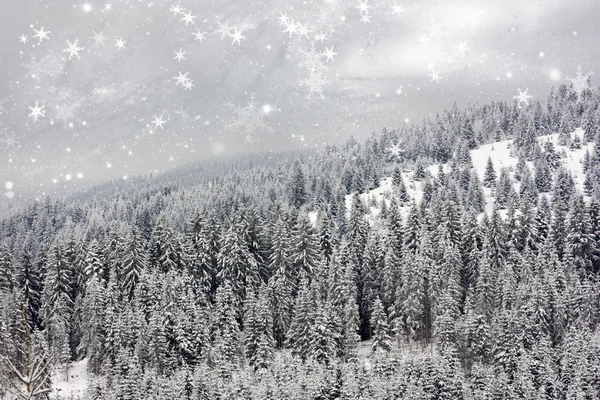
pixel 387 268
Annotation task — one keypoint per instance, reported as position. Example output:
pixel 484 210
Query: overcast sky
pixel 255 75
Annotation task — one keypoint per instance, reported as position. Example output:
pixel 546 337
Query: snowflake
pixel 397 9
pixel 395 150
pixel 188 18
pixel 363 8
pixel 98 39
pixel 423 39
pixel 315 82
pixel 329 54
pixel 312 61
pixel 296 28
pixel 107 7
pixel 158 122
pixel 41 34
pixel 36 111
pixel 120 43
pixel 73 49
pixel 237 36
pixel 180 55
pixel 176 10
pixel 181 78
pixel 435 76
pixel 523 97
pixel 248 119
pixel 9 139
pixel 462 48
pixel 321 37
pixel 291 28
pixel 580 81
pixel 199 36
pixel 23 39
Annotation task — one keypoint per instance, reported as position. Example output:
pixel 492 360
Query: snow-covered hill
pixel 499 153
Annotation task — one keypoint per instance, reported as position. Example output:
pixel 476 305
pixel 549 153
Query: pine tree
pixel 489 177
pixel 237 266
pixel 201 252
pixel 227 336
pixel 258 331
pixel 133 263
pixel 91 345
pixel 305 254
pixel 298 337
pixel 580 242
pixel 419 173
pixel 380 326
pixel 29 282
pixel 297 186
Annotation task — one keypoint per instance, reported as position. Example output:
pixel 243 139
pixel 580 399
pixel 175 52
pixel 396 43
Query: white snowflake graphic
pixel 180 55
pixel 248 119
pixel 397 9
pixel 73 49
pixel 120 43
pixel 98 39
pixel 462 48
pixel 314 62
pixel 435 76
pixel 176 10
pixel 523 97
pixel 183 80
pixel 41 34
pixel 8 139
pixel 199 36
pixel 581 81
pixel 236 36
pixel 365 14
pixel 188 18
pixel 158 122
pixel 36 111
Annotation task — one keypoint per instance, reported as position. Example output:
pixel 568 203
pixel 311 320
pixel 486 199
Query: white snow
pixel 499 152
pixel 71 385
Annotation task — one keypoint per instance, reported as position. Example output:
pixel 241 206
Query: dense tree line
pixel 226 288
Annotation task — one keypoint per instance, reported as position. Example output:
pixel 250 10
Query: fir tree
pixel 489 177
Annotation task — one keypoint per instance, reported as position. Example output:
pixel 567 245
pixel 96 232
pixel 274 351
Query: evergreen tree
pixel 489 177
pixel 380 326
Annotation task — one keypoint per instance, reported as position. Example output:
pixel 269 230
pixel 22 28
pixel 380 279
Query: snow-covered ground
pixel 499 153
pixel 71 385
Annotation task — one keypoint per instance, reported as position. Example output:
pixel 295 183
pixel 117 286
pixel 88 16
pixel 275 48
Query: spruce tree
pixel 380 326
pixel 489 177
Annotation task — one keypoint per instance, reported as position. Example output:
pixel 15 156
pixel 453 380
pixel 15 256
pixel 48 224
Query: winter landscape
pixel 299 200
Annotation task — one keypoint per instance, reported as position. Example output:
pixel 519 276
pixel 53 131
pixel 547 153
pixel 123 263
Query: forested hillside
pixel 385 269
